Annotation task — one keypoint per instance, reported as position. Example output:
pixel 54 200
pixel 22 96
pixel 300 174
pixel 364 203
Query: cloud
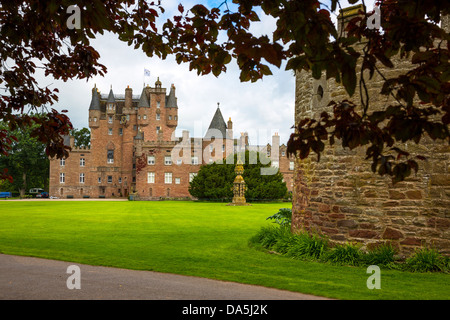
pixel 266 106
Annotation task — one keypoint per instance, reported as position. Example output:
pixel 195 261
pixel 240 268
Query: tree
pixel 215 181
pixel 27 162
pixel 304 37
pixel 82 137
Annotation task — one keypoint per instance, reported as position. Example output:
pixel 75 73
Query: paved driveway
pixel 33 278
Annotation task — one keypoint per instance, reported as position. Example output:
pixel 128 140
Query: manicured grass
pixel 191 238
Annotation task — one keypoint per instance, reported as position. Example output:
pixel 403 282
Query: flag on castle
pixel 146 73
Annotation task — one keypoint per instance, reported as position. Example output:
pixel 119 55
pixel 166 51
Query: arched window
pixel 320 92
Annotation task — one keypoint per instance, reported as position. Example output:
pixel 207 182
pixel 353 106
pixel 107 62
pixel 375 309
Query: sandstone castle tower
pixel 341 197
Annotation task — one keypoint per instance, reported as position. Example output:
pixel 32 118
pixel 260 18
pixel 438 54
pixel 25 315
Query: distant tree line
pixel 28 163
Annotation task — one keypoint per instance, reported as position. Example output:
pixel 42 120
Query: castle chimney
pixel 275 149
pixel 128 97
pixel 230 129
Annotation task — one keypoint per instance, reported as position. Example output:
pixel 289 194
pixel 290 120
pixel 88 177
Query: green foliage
pixel 283 217
pixel 427 260
pixel 345 254
pixel 82 137
pixel 308 245
pixel 27 162
pixel 313 246
pixel 215 181
pixel 381 255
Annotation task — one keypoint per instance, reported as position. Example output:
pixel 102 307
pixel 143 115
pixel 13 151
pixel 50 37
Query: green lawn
pixel 200 239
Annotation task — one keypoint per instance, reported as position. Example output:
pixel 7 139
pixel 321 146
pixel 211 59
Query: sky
pixel 260 108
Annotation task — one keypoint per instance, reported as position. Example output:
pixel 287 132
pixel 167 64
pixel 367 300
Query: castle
pixel 134 150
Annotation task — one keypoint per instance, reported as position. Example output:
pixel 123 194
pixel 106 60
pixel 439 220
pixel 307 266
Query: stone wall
pixel 341 197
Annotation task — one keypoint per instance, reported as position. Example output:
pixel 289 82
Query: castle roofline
pixel 217 123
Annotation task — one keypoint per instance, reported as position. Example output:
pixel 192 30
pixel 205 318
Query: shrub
pixel 427 260
pixel 268 236
pixel 308 245
pixel 381 255
pixel 347 253
pixel 283 217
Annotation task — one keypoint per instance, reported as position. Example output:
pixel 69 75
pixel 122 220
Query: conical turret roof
pixel 95 100
pixel 217 123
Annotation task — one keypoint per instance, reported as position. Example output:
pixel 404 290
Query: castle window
pixel 110 119
pixel 62 177
pixel 320 92
pixel 145 117
pixel 179 162
pixel 158 129
pixel 291 165
pixel 109 179
pixel 62 162
pixel 176 118
pixel 158 116
pixel 95 119
pixel 99 180
pixel 150 177
pixel 110 131
pixel 81 177
pixel 120 131
pixel 223 148
pixel 170 117
pixel 191 176
pixel 134 127
pixel 158 104
pixel 177 180
pixel 151 160
pixel 167 160
pixel 110 156
pixel 194 160
pixel 82 162
pixel 283 153
pixel 168 177
pixel 120 181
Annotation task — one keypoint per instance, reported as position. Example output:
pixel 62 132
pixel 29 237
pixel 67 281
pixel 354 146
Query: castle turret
pixel 111 103
pixel 171 108
pixel 143 109
pixel 94 109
